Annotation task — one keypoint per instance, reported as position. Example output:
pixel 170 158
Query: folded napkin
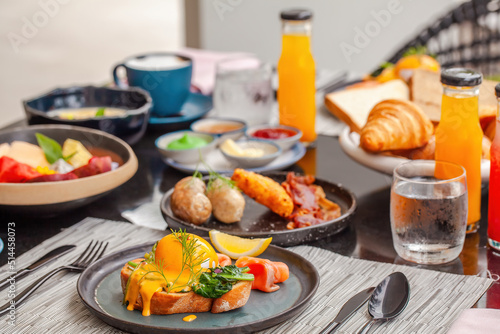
pixel 476 320
pixel 204 62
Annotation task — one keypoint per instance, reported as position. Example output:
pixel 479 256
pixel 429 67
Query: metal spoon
pixel 388 300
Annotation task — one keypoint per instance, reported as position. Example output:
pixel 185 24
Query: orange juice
pixel 458 140
pixel 296 75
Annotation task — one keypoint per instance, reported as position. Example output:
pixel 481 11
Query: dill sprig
pixel 157 266
pixel 191 259
pixel 214 176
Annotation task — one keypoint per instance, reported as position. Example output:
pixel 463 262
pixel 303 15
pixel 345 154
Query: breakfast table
pixel 368 236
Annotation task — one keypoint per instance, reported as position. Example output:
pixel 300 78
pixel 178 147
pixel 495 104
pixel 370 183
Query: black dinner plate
pixel 99 288
pixel 260 222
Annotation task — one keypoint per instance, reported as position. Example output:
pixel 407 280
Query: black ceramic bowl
pixel 129 127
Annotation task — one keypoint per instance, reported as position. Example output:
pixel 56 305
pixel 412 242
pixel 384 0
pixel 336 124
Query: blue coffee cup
pixel 166 76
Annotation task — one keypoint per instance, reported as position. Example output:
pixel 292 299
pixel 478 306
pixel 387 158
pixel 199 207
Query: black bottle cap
pixel 296 14
pixel 497 90
pixel 461 77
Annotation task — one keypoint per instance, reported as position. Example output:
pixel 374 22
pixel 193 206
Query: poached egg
pixel 177 260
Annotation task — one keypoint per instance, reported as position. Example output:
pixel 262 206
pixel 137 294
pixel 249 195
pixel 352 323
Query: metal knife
pixel 52 255
pixel 348 309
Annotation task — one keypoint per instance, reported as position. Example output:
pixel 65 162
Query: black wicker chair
pixel 468 36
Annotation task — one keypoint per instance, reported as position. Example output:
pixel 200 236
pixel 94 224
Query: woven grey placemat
pixel 436 298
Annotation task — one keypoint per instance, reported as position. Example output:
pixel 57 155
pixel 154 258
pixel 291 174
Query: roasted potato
pixel 264 190
pixel 228 203
pixel 188 201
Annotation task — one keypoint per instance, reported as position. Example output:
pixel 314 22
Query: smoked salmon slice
pixel 224 260
pixel 266 273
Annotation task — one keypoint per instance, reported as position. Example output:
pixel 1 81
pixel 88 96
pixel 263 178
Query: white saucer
pixel 221 165
pixel 349 142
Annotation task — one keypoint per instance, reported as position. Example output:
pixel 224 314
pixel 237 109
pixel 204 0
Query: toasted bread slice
pixel 426 91
pixel 352 106
pixel 190 302
pixel 236 298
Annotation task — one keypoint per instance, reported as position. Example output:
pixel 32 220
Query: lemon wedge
pixel 235 247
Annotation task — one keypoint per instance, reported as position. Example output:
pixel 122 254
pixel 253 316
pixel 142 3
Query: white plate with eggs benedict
pixel 101 287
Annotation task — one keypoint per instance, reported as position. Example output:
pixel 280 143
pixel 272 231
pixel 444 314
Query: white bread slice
pixel 426 91
pixel 352 106
pixel 190 302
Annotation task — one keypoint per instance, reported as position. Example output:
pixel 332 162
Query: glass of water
pixel 243 90
pixel 428 214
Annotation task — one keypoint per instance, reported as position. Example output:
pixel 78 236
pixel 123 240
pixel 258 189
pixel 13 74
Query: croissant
pixel 395 125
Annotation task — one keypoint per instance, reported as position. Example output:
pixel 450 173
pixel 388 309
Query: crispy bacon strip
pixel 311 207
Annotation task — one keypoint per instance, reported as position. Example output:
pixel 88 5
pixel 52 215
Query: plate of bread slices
pixel 181 284
pixel 394 121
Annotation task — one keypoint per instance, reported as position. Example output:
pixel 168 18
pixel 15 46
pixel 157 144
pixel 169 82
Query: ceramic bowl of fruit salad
pixel 49 169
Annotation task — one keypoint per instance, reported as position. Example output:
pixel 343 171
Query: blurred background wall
pixel 60 43
pixel 51 43
pixel 338 25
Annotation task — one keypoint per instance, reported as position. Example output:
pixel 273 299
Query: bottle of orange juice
pixel 459 135
pixel 296 74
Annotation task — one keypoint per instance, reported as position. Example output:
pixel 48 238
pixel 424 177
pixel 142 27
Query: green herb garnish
pixel 100 112
pixel 132 264
pixel 214 176
pixel 50 147
pixel 417 50
pixel 220 280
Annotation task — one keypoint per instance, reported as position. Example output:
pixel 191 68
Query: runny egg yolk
pixel 169 257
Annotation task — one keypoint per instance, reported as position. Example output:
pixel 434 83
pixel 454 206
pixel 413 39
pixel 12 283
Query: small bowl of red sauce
pixel 283 135
pixel 221 128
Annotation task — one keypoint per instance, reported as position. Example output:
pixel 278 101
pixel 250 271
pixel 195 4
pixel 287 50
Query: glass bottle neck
pixel 460 103
pixel 460 92
pixel 301 28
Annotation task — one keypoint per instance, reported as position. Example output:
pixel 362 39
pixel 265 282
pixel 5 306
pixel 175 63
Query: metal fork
pixel 92 253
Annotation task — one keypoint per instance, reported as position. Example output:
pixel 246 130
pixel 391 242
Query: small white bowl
pixel 284 143
pixel 271 152
pixel 187 156
pixel 203 126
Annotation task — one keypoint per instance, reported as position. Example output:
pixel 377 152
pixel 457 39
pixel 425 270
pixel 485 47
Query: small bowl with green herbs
pixel 185 147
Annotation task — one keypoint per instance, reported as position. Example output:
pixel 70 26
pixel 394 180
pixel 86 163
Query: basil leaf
pixel 50 147
pixel 100 112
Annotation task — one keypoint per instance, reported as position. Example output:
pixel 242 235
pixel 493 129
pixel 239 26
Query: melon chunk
pixel 79 155
pixel 4 149
pixel 27 153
